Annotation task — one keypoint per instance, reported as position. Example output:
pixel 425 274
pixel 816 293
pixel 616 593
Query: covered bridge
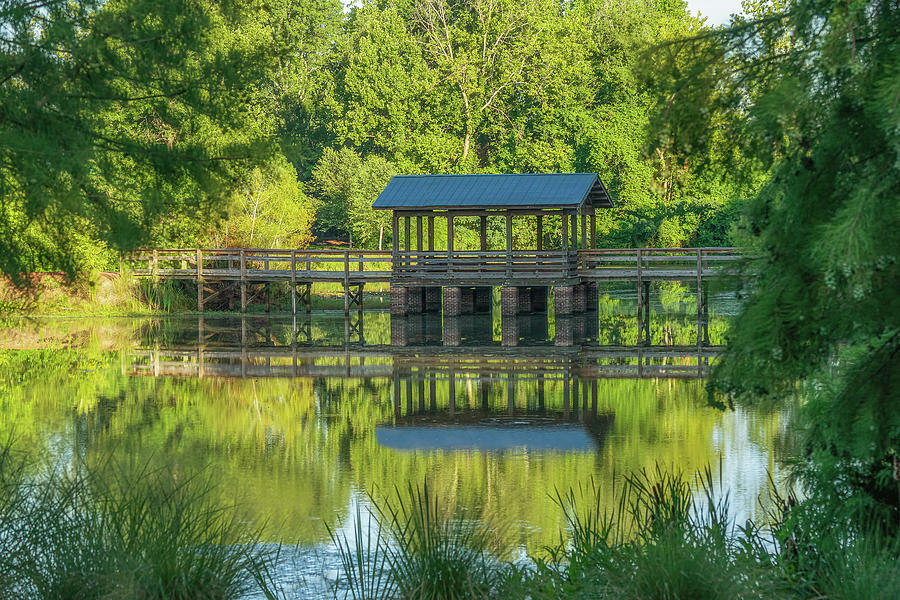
pixel 423 274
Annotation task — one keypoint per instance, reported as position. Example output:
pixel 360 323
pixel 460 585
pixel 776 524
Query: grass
pixel 121 531
pixel 115 529
pixel 669 537
pixel 411 549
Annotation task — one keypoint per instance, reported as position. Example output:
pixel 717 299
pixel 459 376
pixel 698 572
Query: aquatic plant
pixel 122 531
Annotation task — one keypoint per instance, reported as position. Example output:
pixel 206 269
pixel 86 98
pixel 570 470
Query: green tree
pixel 347 186
pixel 121 113
pixel 269 211
pixel 809 90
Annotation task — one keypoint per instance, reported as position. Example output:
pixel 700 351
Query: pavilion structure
pixel 433 273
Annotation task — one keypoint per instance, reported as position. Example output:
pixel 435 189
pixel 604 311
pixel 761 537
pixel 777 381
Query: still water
pixel 304 420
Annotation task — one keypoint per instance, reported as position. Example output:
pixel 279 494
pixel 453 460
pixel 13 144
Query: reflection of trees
pixel 291 451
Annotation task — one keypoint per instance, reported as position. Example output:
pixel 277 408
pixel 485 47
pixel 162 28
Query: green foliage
pixel 270 210
pixel 809 91
pixel 121 115
pixel 121 531
pixel 348 185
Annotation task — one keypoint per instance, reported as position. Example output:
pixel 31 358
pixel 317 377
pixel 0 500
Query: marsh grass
pixel 413 549
pixel 122 531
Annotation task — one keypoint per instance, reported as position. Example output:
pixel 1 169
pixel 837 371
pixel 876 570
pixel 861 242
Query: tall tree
pixel 810 90
pixel 118 113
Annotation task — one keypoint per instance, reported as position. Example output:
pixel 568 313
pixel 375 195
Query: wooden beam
pixel 395 234
pixel 407 238
pixel 431 233
pixel 483 233
pixel 419 233
pixel 449 243
pixel 565 231
pixel 593 230
pixel 583 229
pixel 540 232
pixel 574 219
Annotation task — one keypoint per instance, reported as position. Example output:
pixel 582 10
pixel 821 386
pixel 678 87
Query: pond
pixel 303 420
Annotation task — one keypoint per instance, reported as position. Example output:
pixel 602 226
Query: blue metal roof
pixel 535 190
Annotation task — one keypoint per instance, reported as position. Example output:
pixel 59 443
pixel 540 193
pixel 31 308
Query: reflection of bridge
pixel 536 363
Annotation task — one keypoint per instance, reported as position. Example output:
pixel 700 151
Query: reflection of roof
pixel 536 190
pixel 478 437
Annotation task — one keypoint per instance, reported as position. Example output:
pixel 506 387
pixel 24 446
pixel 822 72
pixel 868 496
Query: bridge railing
pixel 475 265
pixel 268 264
pixel 655 263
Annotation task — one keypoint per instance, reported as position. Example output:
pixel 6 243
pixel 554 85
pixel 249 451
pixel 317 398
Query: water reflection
pixel 299 417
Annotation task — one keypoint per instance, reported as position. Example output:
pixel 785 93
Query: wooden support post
pixel 432 392
pixel 199 280
pixel 409 395
pixel 574 219
pixel 243 281
pixel 347 274
pixel 511 392
pixel 540 392
pixel 593 231
pixel 395 233
pixel 484 396
pixel 407 238
pixel 421 387
pixel 451 379
pixel 419 235
pixel 154 267
pixel 567 394
pixel 483 233
pixel 396 387
pixel 449 243
pixel 640 292
pixel 583 230
pixel 293 282
pixel 509 245
pixel 268 297
pixel 565 231
pixel 540 232
pixel 431 233
pixel 699 297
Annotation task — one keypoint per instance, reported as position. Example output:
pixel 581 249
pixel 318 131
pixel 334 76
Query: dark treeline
pixel 185 122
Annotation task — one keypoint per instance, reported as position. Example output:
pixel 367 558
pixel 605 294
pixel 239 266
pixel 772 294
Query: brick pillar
pixel 509 300
pixel 538 299
pixel 592 296
pixel 579 325
pixel 565 335
pixel 451 329
pixel 398 330
pixel 399 305
pixel 451 300
pixel 524 300
pixel 578 298
pixel 466 301
pixel 563 300
pixel 432 300
pixel 415 297
pixel 509 330
pixel 482 299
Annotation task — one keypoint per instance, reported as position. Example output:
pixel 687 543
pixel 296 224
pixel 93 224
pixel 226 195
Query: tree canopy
pixel 131 122
pixel 809 91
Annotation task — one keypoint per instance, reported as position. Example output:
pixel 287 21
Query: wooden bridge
pixel 248 270
pixel 488 363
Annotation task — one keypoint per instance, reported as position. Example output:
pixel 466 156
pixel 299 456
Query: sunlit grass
pixel 121 531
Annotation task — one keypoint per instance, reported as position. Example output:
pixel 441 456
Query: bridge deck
pixel 355 267
pixel 432 362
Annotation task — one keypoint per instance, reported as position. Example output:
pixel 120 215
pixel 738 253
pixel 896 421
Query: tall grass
pixel 663 540
pixel 412 549
pixel 116 531
pixel 667 537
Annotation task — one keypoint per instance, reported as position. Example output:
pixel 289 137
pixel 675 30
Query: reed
pixel 120 531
